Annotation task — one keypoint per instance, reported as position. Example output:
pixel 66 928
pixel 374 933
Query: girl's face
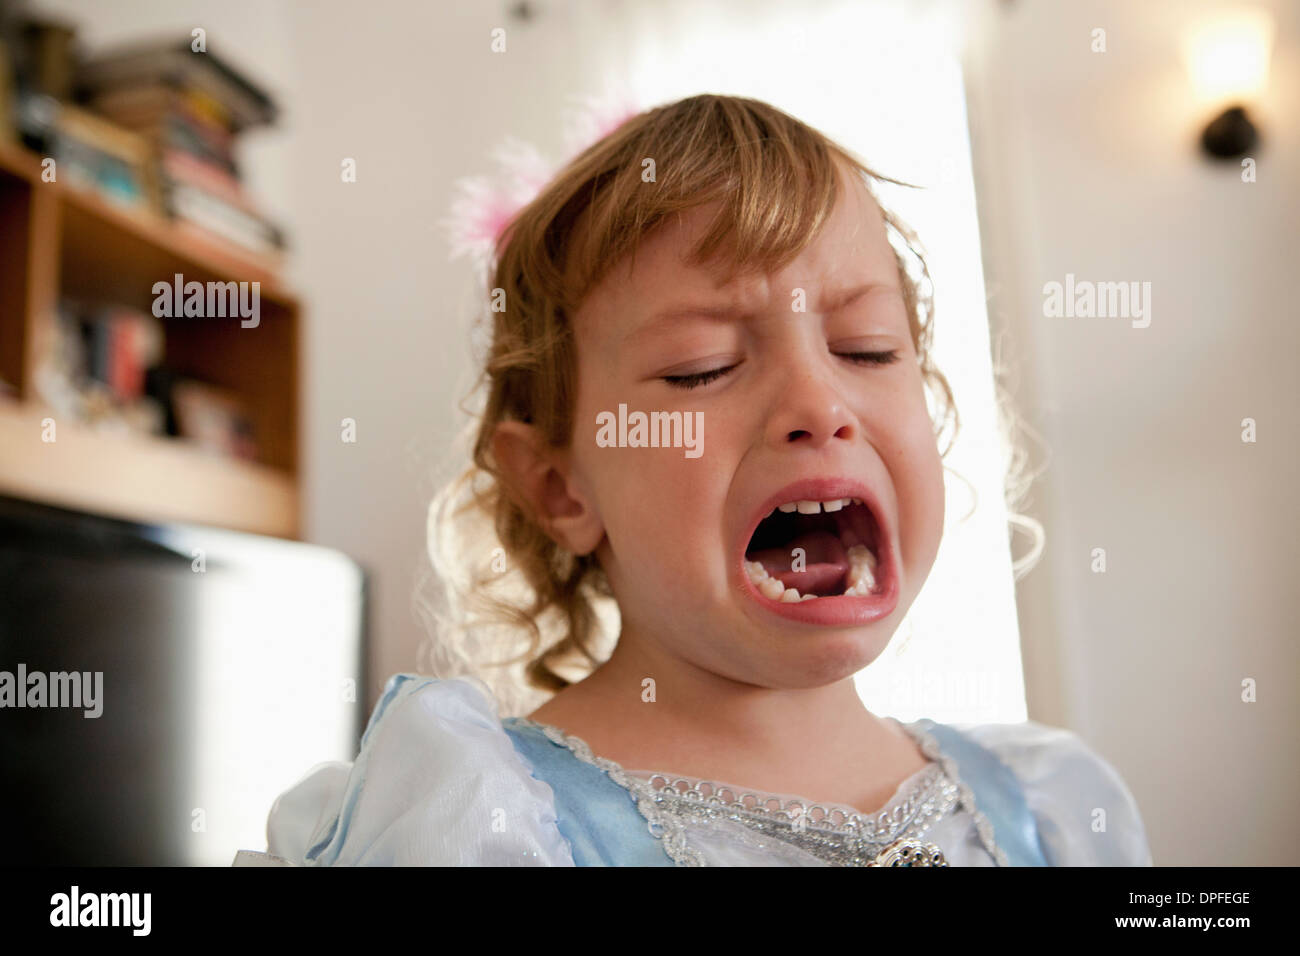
pixel 799 402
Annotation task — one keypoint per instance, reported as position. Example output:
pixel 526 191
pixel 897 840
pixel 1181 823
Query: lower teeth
pixel 861 578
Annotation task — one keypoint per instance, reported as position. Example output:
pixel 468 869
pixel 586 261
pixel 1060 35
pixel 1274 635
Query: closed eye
pixel 871 358
pixel 696 379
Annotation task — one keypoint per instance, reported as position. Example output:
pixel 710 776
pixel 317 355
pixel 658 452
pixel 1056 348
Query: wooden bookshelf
pixel 59 240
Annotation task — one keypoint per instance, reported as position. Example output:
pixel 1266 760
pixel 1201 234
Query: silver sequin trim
pixel 856 841
pixel 853 840
pixel 930 747
pixel 884 827
pixel 660 824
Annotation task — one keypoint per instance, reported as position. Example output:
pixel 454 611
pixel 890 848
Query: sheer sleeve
pixel 437 782
pixel 1086 816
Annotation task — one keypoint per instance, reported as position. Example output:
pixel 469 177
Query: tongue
pixel 825 563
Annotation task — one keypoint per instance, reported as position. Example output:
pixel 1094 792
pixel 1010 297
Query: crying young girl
pixel 751 286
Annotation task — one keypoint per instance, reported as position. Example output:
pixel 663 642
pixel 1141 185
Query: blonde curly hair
pixel 776 182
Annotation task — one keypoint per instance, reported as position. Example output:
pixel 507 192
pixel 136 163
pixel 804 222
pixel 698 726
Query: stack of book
pixel 97 368
pixel 120 344
pixel 189 107
pixel 107 368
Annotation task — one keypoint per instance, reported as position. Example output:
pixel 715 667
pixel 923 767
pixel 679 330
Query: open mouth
pixel 809 549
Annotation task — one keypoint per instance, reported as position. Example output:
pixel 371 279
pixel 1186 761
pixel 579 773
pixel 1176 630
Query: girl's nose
pixel 810 410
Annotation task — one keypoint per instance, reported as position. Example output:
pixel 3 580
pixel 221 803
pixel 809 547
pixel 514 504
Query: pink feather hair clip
pixel 483 206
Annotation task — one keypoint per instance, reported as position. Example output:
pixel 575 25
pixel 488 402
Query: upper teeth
pixel 813 507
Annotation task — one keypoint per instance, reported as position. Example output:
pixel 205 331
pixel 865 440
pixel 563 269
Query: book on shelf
pixel 91 152
pixel 106 369
pixel 215 419
pixel 121 344
pixel 95 368
pixel 189 107
pixel 142 103
pixel 172 62
pixel 171 125
pixel 177 133
pixel 194 209
pixel 181 166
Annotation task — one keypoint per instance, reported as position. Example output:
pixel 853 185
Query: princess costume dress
pixel 441 779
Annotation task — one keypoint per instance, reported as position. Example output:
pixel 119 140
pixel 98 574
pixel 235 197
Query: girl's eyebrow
pixel 667 317
pixel 831 302
pixel 834 301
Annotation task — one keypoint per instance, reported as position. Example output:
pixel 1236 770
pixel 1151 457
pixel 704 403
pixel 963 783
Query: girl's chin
pixel 827 658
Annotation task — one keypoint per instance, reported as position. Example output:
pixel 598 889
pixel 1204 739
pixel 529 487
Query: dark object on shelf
pixel 159 383
pixel 8 93
pixel 1230 134
pixel 47 59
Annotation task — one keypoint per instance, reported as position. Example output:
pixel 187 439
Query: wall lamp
pixel 1226 55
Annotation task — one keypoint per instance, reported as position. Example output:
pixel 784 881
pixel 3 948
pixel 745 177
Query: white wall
pixel 1087 165
pixel 414 94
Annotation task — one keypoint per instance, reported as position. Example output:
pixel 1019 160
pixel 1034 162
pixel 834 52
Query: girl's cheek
pixel 926 496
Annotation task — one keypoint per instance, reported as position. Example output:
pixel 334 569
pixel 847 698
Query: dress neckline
pixel 770 801
pixel 837 815
pixel 664 824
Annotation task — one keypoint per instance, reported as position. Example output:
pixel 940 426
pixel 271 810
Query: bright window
pixel 885 81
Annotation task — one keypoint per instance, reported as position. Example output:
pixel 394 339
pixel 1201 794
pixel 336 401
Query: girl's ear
pixel 540 480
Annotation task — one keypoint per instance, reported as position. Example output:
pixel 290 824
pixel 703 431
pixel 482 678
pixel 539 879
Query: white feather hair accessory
pixel 483 206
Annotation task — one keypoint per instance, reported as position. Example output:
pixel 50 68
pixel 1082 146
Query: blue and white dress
pixel 441 779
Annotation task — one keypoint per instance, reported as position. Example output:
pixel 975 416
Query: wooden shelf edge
pixel 214 255
pixel 140 478
pixel 20 161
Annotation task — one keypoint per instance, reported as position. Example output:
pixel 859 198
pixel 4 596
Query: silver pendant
pixel 907 852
